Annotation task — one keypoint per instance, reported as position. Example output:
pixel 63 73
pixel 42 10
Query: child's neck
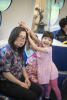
pixel 47 46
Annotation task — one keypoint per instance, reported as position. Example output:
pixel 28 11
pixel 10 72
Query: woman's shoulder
pixel 6 50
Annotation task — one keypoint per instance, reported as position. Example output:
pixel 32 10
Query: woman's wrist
pixel 27 78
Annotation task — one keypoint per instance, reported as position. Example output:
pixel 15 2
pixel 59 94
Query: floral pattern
pixel 31 67
pixel 10 61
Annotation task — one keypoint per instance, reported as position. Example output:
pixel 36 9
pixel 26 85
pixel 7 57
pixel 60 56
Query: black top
pixel 61 36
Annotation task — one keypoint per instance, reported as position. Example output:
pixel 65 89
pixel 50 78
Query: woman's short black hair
pixel 63 22
pixel 14 34
pixel 48 34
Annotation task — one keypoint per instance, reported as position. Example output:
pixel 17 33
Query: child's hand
pixel 22 24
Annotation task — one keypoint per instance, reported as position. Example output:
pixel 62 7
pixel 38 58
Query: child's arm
pixel 35 37
pixel 22 24
pixel 35 46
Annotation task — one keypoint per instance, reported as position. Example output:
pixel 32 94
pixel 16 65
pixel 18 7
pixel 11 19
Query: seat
pixel 59 56
pixel 55 32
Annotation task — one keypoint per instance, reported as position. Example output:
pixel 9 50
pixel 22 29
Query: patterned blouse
pixel 10 61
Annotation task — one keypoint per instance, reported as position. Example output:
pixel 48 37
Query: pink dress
pixel 46 68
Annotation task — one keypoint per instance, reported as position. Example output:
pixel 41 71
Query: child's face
pixel 46 41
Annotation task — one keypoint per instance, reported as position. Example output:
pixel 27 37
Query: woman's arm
pixel 26 77
pixel 25 73
pixel 11 78
pixel 35 46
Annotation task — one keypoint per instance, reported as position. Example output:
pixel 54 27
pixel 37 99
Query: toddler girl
pixel 31 63
pixel 47 71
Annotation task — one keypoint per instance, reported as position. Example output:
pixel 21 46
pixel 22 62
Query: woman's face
pixel 21 39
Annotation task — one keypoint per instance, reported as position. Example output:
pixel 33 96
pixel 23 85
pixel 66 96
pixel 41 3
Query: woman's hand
pixel 27 81
pixel 23 84
pixel 11 78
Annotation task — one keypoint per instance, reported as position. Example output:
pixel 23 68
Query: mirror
pixel 4 5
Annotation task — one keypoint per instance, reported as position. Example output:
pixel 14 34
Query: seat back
pixel 59 56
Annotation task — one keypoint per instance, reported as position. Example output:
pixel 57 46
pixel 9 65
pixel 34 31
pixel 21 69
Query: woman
pixel 14 80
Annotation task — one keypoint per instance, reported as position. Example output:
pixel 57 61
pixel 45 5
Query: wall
pixel 63 11
pixel 20 10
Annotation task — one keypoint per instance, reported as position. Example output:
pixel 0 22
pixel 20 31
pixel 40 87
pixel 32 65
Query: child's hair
pixel 48 34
